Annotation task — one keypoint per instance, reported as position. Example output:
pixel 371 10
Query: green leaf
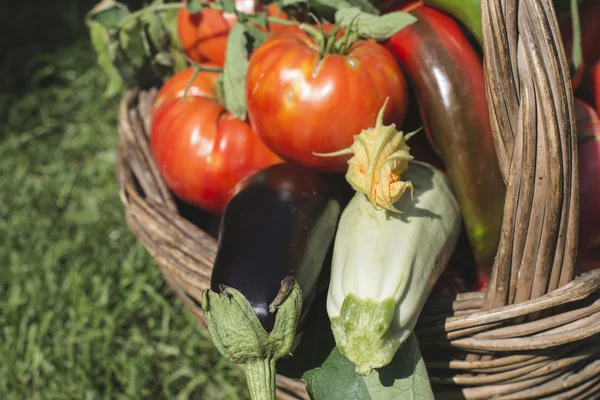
pixel 285 4
pixel 365 6
pixel 255 37
pixel 259 18
pixel 404 378
pixel 109 13
pixel 234 70
pixel 169 21
pixel 194 6
pixel 134 45
pixel 331 6
pixel 99 37
pixel 373 26
pixel 228 5
pixel 179 60
pixel 336 380
pixel 157 32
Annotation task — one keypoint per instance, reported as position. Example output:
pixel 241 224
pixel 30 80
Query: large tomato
pixel 202 151
pixel 300 101
pixel 204 35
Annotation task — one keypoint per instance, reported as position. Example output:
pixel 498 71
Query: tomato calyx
pixel 328 41
pixel 200 68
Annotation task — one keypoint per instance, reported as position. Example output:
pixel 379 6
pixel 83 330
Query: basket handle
pixel 530 102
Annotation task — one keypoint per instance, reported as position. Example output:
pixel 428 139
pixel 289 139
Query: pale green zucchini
pixel 385 264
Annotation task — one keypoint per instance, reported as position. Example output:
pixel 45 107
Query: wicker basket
pixel 536 332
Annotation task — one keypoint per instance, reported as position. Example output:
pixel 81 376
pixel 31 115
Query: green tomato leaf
pixel 255 37
pixel 404 378
pixel 157 33
pixel 234 70
pixel 109 13
pixel 365 6
pixel 373 26
pixel 169 22
pixel 335 5
pixel 194 6
pixel 135 44
pixel 100 38
pixel 293 4
pixel 179 60
pixel 259 18
pixel 228 5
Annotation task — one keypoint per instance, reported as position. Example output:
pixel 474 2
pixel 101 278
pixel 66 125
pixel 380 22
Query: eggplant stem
pixel 260 377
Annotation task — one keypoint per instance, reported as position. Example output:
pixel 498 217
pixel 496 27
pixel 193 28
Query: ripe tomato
pixel 300 102
pixel 202 151
pixel 204 35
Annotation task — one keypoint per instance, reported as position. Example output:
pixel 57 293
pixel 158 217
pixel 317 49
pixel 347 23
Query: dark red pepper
pixel 589 90
pixel 447 76
pixel 589 22
pixel 588 135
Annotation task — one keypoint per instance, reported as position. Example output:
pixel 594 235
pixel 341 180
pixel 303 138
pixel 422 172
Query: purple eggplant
pixel 281 224
pixel 274 239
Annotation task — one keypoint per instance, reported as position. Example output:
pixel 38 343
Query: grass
pixel 84 313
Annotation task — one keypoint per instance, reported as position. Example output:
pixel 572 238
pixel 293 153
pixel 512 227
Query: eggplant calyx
pixel 239 336
pixel 380 157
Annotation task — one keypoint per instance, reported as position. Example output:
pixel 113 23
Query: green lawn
pixel 84 313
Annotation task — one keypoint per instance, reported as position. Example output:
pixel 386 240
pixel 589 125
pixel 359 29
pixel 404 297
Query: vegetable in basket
pixel 589 91
pixel 311 94
pixel 201 150
pixel 588 135
pixel 447 76
pixel 390 247
pixel 274 238
pixel 385 264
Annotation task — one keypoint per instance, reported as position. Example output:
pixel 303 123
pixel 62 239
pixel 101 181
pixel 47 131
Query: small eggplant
pixel 274 239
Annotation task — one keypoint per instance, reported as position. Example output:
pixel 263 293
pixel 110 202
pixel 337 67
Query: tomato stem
pixel 189 84
pixel 350 36
pixel 330 41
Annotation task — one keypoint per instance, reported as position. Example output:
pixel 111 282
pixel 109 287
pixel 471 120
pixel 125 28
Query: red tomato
pixel 204 35
pixel 300 102
pixel 202 151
